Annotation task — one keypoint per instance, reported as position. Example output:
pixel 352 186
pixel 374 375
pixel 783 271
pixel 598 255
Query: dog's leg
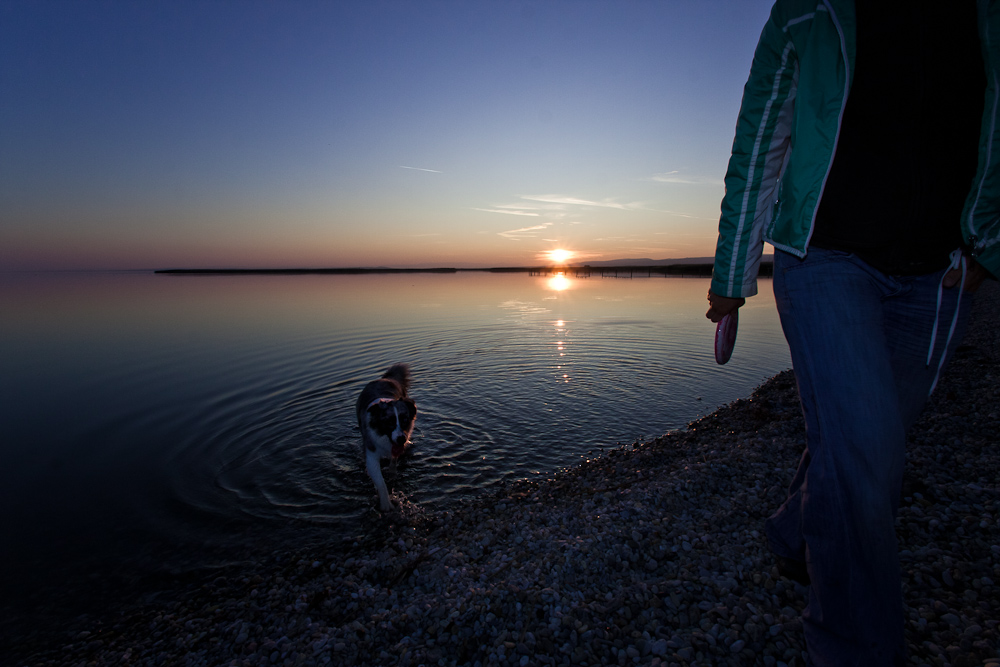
pixel 375 472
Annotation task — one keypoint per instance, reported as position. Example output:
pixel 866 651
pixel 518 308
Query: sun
pixel 560 256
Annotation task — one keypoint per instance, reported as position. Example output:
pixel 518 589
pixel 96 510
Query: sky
pixel 473 133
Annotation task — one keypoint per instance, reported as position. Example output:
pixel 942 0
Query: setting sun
pixel 560 256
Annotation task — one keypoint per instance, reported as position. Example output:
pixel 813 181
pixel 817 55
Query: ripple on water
pixel 492 405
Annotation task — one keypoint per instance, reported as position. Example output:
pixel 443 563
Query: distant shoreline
pixel 578 271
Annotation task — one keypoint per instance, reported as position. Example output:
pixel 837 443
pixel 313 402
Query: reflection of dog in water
pixel 385 417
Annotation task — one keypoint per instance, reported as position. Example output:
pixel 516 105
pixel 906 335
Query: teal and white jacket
pixel 787 132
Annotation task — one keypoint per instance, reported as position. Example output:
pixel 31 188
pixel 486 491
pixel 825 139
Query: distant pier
pixel 634 271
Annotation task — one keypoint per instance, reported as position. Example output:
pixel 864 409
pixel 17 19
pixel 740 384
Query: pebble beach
pixel 651 553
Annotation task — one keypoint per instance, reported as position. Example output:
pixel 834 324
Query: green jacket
pixel 788 128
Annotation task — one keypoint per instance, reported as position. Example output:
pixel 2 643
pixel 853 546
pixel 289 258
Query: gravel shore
pixel 651 554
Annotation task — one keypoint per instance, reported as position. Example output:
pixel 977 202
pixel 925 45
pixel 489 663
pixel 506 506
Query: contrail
pixel 433 171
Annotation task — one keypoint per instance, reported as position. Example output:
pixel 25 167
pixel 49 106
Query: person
pixel 866 152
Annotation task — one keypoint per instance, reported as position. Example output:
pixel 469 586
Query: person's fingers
pixel 720 306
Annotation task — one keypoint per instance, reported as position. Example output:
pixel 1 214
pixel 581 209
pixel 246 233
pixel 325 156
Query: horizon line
pixel 599 264
pixel 619 264
pixel 693 268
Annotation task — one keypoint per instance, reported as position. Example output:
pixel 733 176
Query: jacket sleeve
pixel 759 149
pixel 981 213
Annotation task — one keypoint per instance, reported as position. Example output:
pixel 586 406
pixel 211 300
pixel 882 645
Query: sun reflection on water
pixel 559 282
pixel 561 344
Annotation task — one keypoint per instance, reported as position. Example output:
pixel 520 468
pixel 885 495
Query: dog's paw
pixel 400 509
pixel 407 512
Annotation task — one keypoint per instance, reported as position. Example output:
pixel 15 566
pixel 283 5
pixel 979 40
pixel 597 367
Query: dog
pixel 386 417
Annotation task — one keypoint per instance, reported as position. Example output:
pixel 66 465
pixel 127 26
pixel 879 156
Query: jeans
pixel 859 342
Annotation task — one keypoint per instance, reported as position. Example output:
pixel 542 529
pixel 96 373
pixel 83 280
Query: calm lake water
pixel 143 412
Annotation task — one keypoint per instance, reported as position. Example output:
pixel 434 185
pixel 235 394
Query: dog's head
pixel 393 420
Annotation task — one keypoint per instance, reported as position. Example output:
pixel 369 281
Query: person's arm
pixel 759 149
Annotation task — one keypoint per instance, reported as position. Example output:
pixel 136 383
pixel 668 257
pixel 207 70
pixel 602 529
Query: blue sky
pixel 418 133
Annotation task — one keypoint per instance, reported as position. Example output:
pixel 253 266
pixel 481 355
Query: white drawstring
pixel 957 259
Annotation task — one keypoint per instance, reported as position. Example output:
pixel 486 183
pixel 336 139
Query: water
pixel 142 415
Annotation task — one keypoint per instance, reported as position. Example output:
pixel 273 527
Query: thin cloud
pixel 433 171
pixel 508 212
pixel 557 207
pixel 682 215
pixel 525 207
pixel 676 177
pixel 518 234
pixel 574 201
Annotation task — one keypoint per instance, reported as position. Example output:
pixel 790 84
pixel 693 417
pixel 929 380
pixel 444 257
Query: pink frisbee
pixel 725 336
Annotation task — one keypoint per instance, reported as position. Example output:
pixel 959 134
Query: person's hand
pixel 722 306
pixel 975 274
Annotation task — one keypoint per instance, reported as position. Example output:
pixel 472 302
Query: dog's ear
pixel 411 406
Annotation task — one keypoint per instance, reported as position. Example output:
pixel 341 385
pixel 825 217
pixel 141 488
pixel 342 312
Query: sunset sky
pixel 365 133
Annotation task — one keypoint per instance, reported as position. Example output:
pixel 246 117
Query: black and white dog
pixel 385 417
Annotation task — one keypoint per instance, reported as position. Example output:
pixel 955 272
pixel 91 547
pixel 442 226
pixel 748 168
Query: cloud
pixel 518 234
pixel 574 201
pixel 684 215
pixel 508 212
pixel 557 207
pixel 559 202
pixel 433 171
pixel 676 177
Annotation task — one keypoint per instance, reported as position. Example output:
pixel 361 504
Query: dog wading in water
pixel 386 416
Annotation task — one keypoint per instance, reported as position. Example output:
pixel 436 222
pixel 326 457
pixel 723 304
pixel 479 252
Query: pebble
pixel 599 564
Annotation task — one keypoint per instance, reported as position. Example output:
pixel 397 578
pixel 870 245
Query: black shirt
pixel 907 151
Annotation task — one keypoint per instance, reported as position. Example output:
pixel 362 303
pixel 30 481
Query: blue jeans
pixel 859 342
